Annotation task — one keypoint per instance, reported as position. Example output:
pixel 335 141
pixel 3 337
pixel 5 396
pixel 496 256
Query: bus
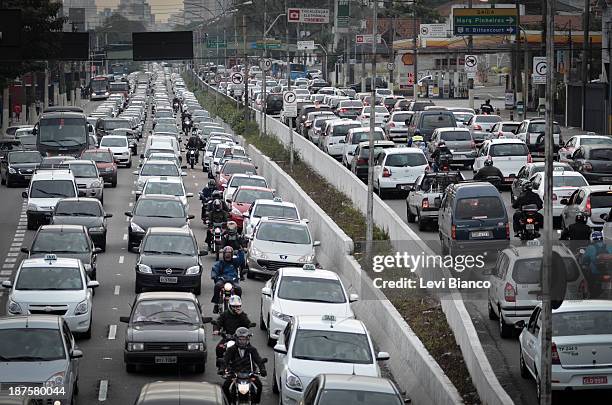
pixel 298 70
pixel 62 131
pixel 99 87
pixel 120 88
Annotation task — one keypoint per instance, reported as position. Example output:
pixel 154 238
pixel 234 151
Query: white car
pixel 564 185
pixel 170 157
pixel 268 208
pixel 508 155
pixel 156 168
pixel 296 291
pixel 47 187
pixel 53 286
pixel 354 137
pixel 577 141
pixel 381 115
pixel 313 345
pixel 120 146
pixel 397 167
pixel 217 155
pixel 332 141
pixel 581 341
pixel 166 186
pixel 396 127
pixel 240 179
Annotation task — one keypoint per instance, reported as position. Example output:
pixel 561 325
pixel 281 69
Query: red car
pixel 232 167
pixel 243 198
pixel 105 161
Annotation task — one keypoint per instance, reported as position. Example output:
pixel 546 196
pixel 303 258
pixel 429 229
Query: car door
pixel 414 193
pixel 281 359
pixel 73 364
pixel 529 341
pixel 497 279
pixel 378 165
pixel 481 157
pixel 268 299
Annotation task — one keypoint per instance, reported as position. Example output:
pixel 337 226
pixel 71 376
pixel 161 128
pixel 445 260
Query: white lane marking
pixel 8 265
pixel 121 259
pixel 112 332
pixel 131 204
pixel 21 227
pixel 127 219
pixel 6 272
pixel 20 232
pixel 3 279
pixel 15 249
pixel 12 254
pixel 1 293
pixel 125 236
pixel 18 239
pixel 103 392
pixel 10 260
pixel 196 184
pixel 16 244
pixel 117 288
pixel 133 192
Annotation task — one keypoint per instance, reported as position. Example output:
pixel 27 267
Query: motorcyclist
pixel 218 195
pixel 206 195
pixel 241 358
pixel 223 271
pixel 175 104
pixel 217 215
pixel 486 108
pixel 195 142
pixel 187 123
pixel 229 321
pixel 235 240
pixel 589 260
pixel 579 230
pixel 417 141
pixel 441 150
pixel 527 197
pixel 488 170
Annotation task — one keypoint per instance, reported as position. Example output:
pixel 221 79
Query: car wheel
pixel 262 325
pixel 199 368
pixel 102 199
pixel 421 222
pixel 250 275
pixel 492 314
pixel 130 367
pixel 505 331
pixel 2 181
pixel 381 193
pixel 409 215
pixel 511 195
pixel 274 383
pixel 103 245
pixel 538 386
pixel 524 372
pixel 8 182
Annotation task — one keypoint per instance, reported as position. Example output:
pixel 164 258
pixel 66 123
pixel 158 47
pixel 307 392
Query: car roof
pixel 190 392
pixel 61 228
pixel 159 197
pixel 80 162
pixel 253 188
pixel 453 129
pixel 170 230
pixel 30 321
pixel 53 174
pixel 505 140
pixel 584 305
pixel 535 251
pixel 476 189
pixel 114 136
pixel 80 199
pixel 164 295
pixel 263 201
pixel 58 261
pixel 164 179
pixel 348 325
pixel 160 162
pixel 364 144
pixel 357 383
pixel 246 175
pixel 301 272
pixel 403 150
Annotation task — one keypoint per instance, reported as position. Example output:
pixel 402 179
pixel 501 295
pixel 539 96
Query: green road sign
pixel 212 43
pixel 485 20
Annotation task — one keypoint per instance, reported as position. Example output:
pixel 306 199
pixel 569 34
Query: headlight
pixel 258 254
pixel 126 153
pixel 82 308
pixel 281 316
pixel 56 380
pixel 95 184
pixel 32 207
pixel 306 259
pixel 106 93
pixel 14 308
pixel 12 171
pixel 293 382
pixel 96 229
pixel 236 211
pixel 135 347
pixel 195 346
pixel 135 227
pixel 193 270
pixel 143 268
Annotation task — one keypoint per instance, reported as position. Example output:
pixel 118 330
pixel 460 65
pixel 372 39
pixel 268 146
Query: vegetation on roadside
pixel 421 311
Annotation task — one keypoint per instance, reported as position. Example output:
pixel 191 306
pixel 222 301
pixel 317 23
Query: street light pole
pixel 370 206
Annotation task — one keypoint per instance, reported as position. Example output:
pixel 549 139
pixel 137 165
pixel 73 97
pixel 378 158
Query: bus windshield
pixel 99 84
pixel 63 132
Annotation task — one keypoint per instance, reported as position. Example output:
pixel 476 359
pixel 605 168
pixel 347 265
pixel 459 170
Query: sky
pixel 161 8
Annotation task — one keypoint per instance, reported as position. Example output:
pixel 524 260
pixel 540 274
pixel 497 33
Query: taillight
pixel 343 110
pixel 362 161
pixel 391 125
pixel 529 158
pixel 555 354
pixel 425 203
pixel 477 127
pixel 587 167
pixel 530 220
pixel 587 208
pixel 386 172
pixel 454 232
pixel 509 293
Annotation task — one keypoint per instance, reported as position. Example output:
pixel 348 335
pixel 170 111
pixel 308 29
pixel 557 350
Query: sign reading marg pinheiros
pixel 484 21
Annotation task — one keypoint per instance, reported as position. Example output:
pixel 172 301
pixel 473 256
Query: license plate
pixel 597 379
pixel 165 360
pixel 530 227
pixel 173 280
pixel 480 234
pixel 606 179
pixel 403 186
pixel 27 176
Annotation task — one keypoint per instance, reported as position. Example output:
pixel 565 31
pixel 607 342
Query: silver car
pixel 87 178
pixel 39 351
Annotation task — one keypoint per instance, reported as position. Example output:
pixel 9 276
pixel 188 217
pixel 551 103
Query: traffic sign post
pixel 539 70
pixel 471 66
pixel 306 45
pixel 485 21
pixel 237 78
pixel 265 64
pixel 308 15
pixel 289 104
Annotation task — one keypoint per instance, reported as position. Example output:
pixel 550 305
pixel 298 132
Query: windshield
pixel 152 169
pixel 81 170
pixel 221 150
pixel 166 311
pixel 158 187
pixel 528 271
pixel 456 136
pixel 99 85
pixel 401 117
pixel 580 323
pixel 311 289
pixel 164 127
pixel 278 211
pixel 509 127
pixel 480 208
pixel 406 160
pixel 327 345
pixel 163 113
pixel 601 154
pixel 249 196
pixel 113 142
pixel 357 397
pixel 284 233
pixel 233 168
pixel 119 87
pixel 159 208
pixel 342 130
pixel 487 118
pixel 49 278
pixel 596 141
pixel 601 200
pixel 60 242
pixel 365 151
pixel 101 157
pixel 569 181
pixel 80 208
pixel 509 149
pixel 364 136
pixel 63 132
pixel 115 124
pixel 170 244
pixel 463 117
pixel 24 157
pixel 52 189
pixel 438 121
pixel 352 104
pixel 539 127
pixel 31 344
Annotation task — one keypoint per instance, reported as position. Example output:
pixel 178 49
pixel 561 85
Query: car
pixel 181 393
pixel 9 145
pixel 48 339
pixel 354 137
pixel 395 168
pixel 279 242
pixel 217 153
pixel 267 208
pixel 306 290
pixel 84 211
pixel 333 137
pixel 425 195
pixel 389 101
pixel 240 179
pixel 231 168
pixel 359 163
pixel 564 185
pixel 313 345
pixel 170 157
pixel 480 126
pixel 18 167
pixel 472 218
pixel 531 131
pixel 11 130
pixel 528 171
pixel 306 127
pixel 28 142
pixel 349 109
pixel 504 129
pixel 165 328
pixel 120 147
pixel 580 341
pixel 594 201
pixel 156 168
pixel 131 136
pixel 419 105
pixel 243 198
pixel 460 143
pixel 166 186
pixel 87 178
pixel 318 123
pixel 333 389
pixel 56 286
pixel 55 162
pixel 594 162
pixel 577 141
pixel 155 211
pixel 105 162
pixel 396 126
pixel 425 122
pixel 515 290
pixel 508 155
pixel 381 115
pixel 46 188
pixel 163 141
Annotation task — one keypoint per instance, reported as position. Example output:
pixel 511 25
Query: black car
pixel 594 162
pixel 165 328
pixel 18 167
pixel 71 241
pixel 83 211
pixel 169 259
pixel 158 210
pixel 274 103
pixel 419 105
pixel 181 393
pixel 105 125
pixel 425 122
pixel 379 83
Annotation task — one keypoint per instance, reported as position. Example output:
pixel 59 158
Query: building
pixel 89 10
pixel 136 10
pixel 201 10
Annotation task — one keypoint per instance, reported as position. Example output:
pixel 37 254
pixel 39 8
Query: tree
pixel 118 29
pixel 425 10
pixel 39 17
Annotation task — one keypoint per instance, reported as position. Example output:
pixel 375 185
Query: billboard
pixel 10 38
pixel 170 45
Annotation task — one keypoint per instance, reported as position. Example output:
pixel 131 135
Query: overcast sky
pixel 161 8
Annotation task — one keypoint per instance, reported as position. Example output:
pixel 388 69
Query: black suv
pixel 425 122
pixel 274 104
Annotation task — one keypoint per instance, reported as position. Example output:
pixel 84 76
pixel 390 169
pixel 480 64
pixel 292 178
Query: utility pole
pixel 546 314
pixel 246 70
pixel 415 62
pixel 370 206
pixel 290 123
pixel 585 45
pixel 264 116
pixel 470 80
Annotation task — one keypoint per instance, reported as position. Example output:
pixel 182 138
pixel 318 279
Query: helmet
pixel 441 143
pixel 596 236
pixel 212 184
pixel 243 337
pixel 235 304
pixel 228 253
pixel 581 218
pixel 217 194
pixel 488 162
pixel 487 101
pixel 232 227
pixel 528 186
pixel 217 205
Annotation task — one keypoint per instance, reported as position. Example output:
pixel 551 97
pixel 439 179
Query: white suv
pixel 120 146
pixel 46 189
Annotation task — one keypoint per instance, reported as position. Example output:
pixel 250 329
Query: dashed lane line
pixel 103 391
pixel 117 289
pixel 121 259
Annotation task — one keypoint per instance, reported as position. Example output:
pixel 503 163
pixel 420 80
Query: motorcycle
pixel 529 225
pixel 227 291
pixel 176 107
pixel 216 242
pixel 191 157
pixel 225 343
pixel 444 162
pixel 243 386
pixel 494 180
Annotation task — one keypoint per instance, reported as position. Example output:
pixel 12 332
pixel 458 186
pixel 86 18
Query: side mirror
pixel 202 252
pixel 267 291
pixel 76 354
pixel 206 320
pixel 280 349
pixel 520 324
pixel 135 172
pixel 183 167
pixel 7 284
pixel 190 216
pixel 97 250
pixel 382 356
pixel 316 243
pixel 124 319
pixel 128 214
pixel 108 215
pixel 25 250
pixel 564 201
pixel 189 195
pixel 24 194
pixel 93 284
pixel 353 298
